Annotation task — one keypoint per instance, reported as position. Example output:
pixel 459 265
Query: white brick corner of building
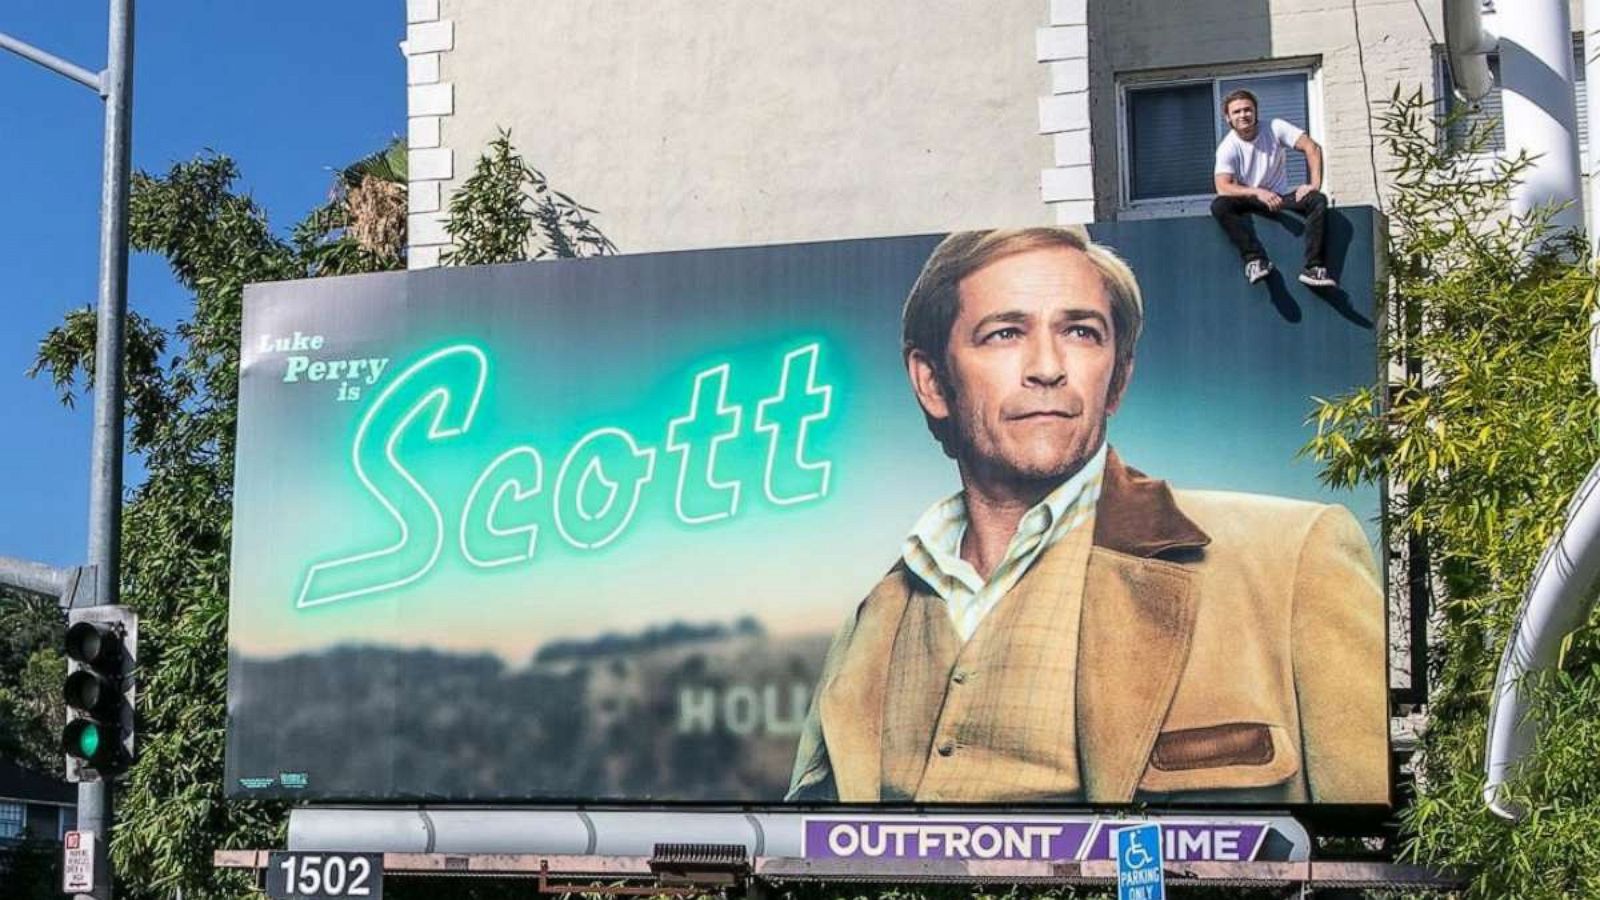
pixel 429 101
pixel 1063 45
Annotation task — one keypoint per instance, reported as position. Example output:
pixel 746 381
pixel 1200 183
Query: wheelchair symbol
pixel 1136 856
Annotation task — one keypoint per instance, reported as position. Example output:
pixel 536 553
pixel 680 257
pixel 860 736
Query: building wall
pixel 1357 74
pixel 692 124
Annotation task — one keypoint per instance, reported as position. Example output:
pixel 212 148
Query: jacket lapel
pixel 851 704
pixel 1137 625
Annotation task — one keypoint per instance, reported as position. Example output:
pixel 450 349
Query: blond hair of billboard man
pixel 1066 628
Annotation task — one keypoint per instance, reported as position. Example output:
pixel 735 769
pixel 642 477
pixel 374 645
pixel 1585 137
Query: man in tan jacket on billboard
pixel 1066 628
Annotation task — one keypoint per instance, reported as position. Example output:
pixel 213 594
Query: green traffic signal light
pixel 96 743
pixel 89 740
pixel 99 691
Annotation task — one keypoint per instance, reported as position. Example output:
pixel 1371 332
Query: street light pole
pixel 105 453
pixel 115 86
pixel 105 473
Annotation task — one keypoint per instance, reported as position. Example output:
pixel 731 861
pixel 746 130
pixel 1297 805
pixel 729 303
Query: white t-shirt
pixel 1259 163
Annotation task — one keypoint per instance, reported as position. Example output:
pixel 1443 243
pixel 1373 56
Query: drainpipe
pixel 1468 43
pixel 1536 94
pixel 1535 47
pixel 1556 604
pixel 1536 71
pixel 1591 69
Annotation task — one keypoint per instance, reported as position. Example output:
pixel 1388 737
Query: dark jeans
pixel 1230 213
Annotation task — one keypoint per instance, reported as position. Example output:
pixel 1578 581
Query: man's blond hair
pixel 935 300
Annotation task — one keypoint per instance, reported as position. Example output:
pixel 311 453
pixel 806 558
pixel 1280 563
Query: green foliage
pixel 31 670
pixel 507 207
pixel 176 524
pixel 1487 434
pixel 181 418
pixel 389 164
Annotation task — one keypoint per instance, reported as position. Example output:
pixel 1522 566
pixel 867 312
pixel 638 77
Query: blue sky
pixel 290 89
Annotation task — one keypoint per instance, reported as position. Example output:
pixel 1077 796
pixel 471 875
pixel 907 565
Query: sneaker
pixel 1317 277
pixel 1257 269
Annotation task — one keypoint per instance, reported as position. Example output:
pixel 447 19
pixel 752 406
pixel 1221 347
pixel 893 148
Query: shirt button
pixel 959 677
pixel 947 749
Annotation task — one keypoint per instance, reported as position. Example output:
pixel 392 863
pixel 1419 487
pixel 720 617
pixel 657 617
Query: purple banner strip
pixel 1017 839
pixel 935 839
pixel 1191 841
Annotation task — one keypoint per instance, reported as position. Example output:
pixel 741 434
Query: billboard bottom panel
pixel 892 839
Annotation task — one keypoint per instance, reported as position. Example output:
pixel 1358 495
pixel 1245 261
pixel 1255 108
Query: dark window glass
pixel 1170 145
pixel 11 819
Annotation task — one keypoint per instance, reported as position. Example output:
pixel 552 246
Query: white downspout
pixel 1535 47
pixel 1557 603
pixel 1536 94
pixel 1468 44
pixel 1591 199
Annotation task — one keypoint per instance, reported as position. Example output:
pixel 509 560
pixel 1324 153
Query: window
pixel 1488 110
pixel 1170 130
pixel 11 819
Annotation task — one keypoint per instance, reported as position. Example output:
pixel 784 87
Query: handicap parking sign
pixel 1139 874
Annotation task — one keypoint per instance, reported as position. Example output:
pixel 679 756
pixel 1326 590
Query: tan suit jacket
pixel 1231 650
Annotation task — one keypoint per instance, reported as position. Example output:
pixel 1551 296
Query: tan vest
pixel 993 720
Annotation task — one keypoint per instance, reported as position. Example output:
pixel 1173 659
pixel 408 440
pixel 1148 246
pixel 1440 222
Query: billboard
pixel 681 527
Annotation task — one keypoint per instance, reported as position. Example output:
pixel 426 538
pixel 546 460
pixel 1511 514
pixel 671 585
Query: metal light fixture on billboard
pixel 101 647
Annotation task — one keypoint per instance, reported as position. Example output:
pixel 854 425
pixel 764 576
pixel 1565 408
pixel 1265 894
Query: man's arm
pixel 812 778
pixel 1313 152
pixel 1340 666
pixel 1228 187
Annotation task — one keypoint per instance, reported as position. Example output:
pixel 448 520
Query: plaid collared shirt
pixel 933 549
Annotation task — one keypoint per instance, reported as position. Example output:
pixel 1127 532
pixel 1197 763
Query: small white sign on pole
pixel 77 866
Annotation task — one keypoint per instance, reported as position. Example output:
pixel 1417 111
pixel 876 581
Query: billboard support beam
pixel 766 871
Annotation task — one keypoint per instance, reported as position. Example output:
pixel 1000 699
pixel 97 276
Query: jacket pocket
pixel 1224 756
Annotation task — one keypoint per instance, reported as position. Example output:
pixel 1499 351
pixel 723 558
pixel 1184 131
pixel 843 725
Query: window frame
pixel 1194 204
pixel 21 820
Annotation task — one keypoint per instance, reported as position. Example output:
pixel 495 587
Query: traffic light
pixel 102 647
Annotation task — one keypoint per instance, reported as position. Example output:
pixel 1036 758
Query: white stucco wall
pixel 690 124
pixel 702 124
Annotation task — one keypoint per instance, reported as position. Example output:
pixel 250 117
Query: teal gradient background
pixel 1221 388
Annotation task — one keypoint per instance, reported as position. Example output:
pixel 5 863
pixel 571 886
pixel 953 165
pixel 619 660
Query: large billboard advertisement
pixel 1011 516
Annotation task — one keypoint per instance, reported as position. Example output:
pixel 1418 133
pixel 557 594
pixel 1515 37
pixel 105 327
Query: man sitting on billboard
pixel 1067 628
pixel 1251 177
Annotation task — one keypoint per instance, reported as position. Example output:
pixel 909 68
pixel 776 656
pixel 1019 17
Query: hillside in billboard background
pixel 636 716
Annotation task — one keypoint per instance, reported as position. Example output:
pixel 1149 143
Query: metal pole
pixel 105 470
pixel 50 61
pixel 34 578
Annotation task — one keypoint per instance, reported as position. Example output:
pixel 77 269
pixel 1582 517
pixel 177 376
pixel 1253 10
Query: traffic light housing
pixel 102 652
